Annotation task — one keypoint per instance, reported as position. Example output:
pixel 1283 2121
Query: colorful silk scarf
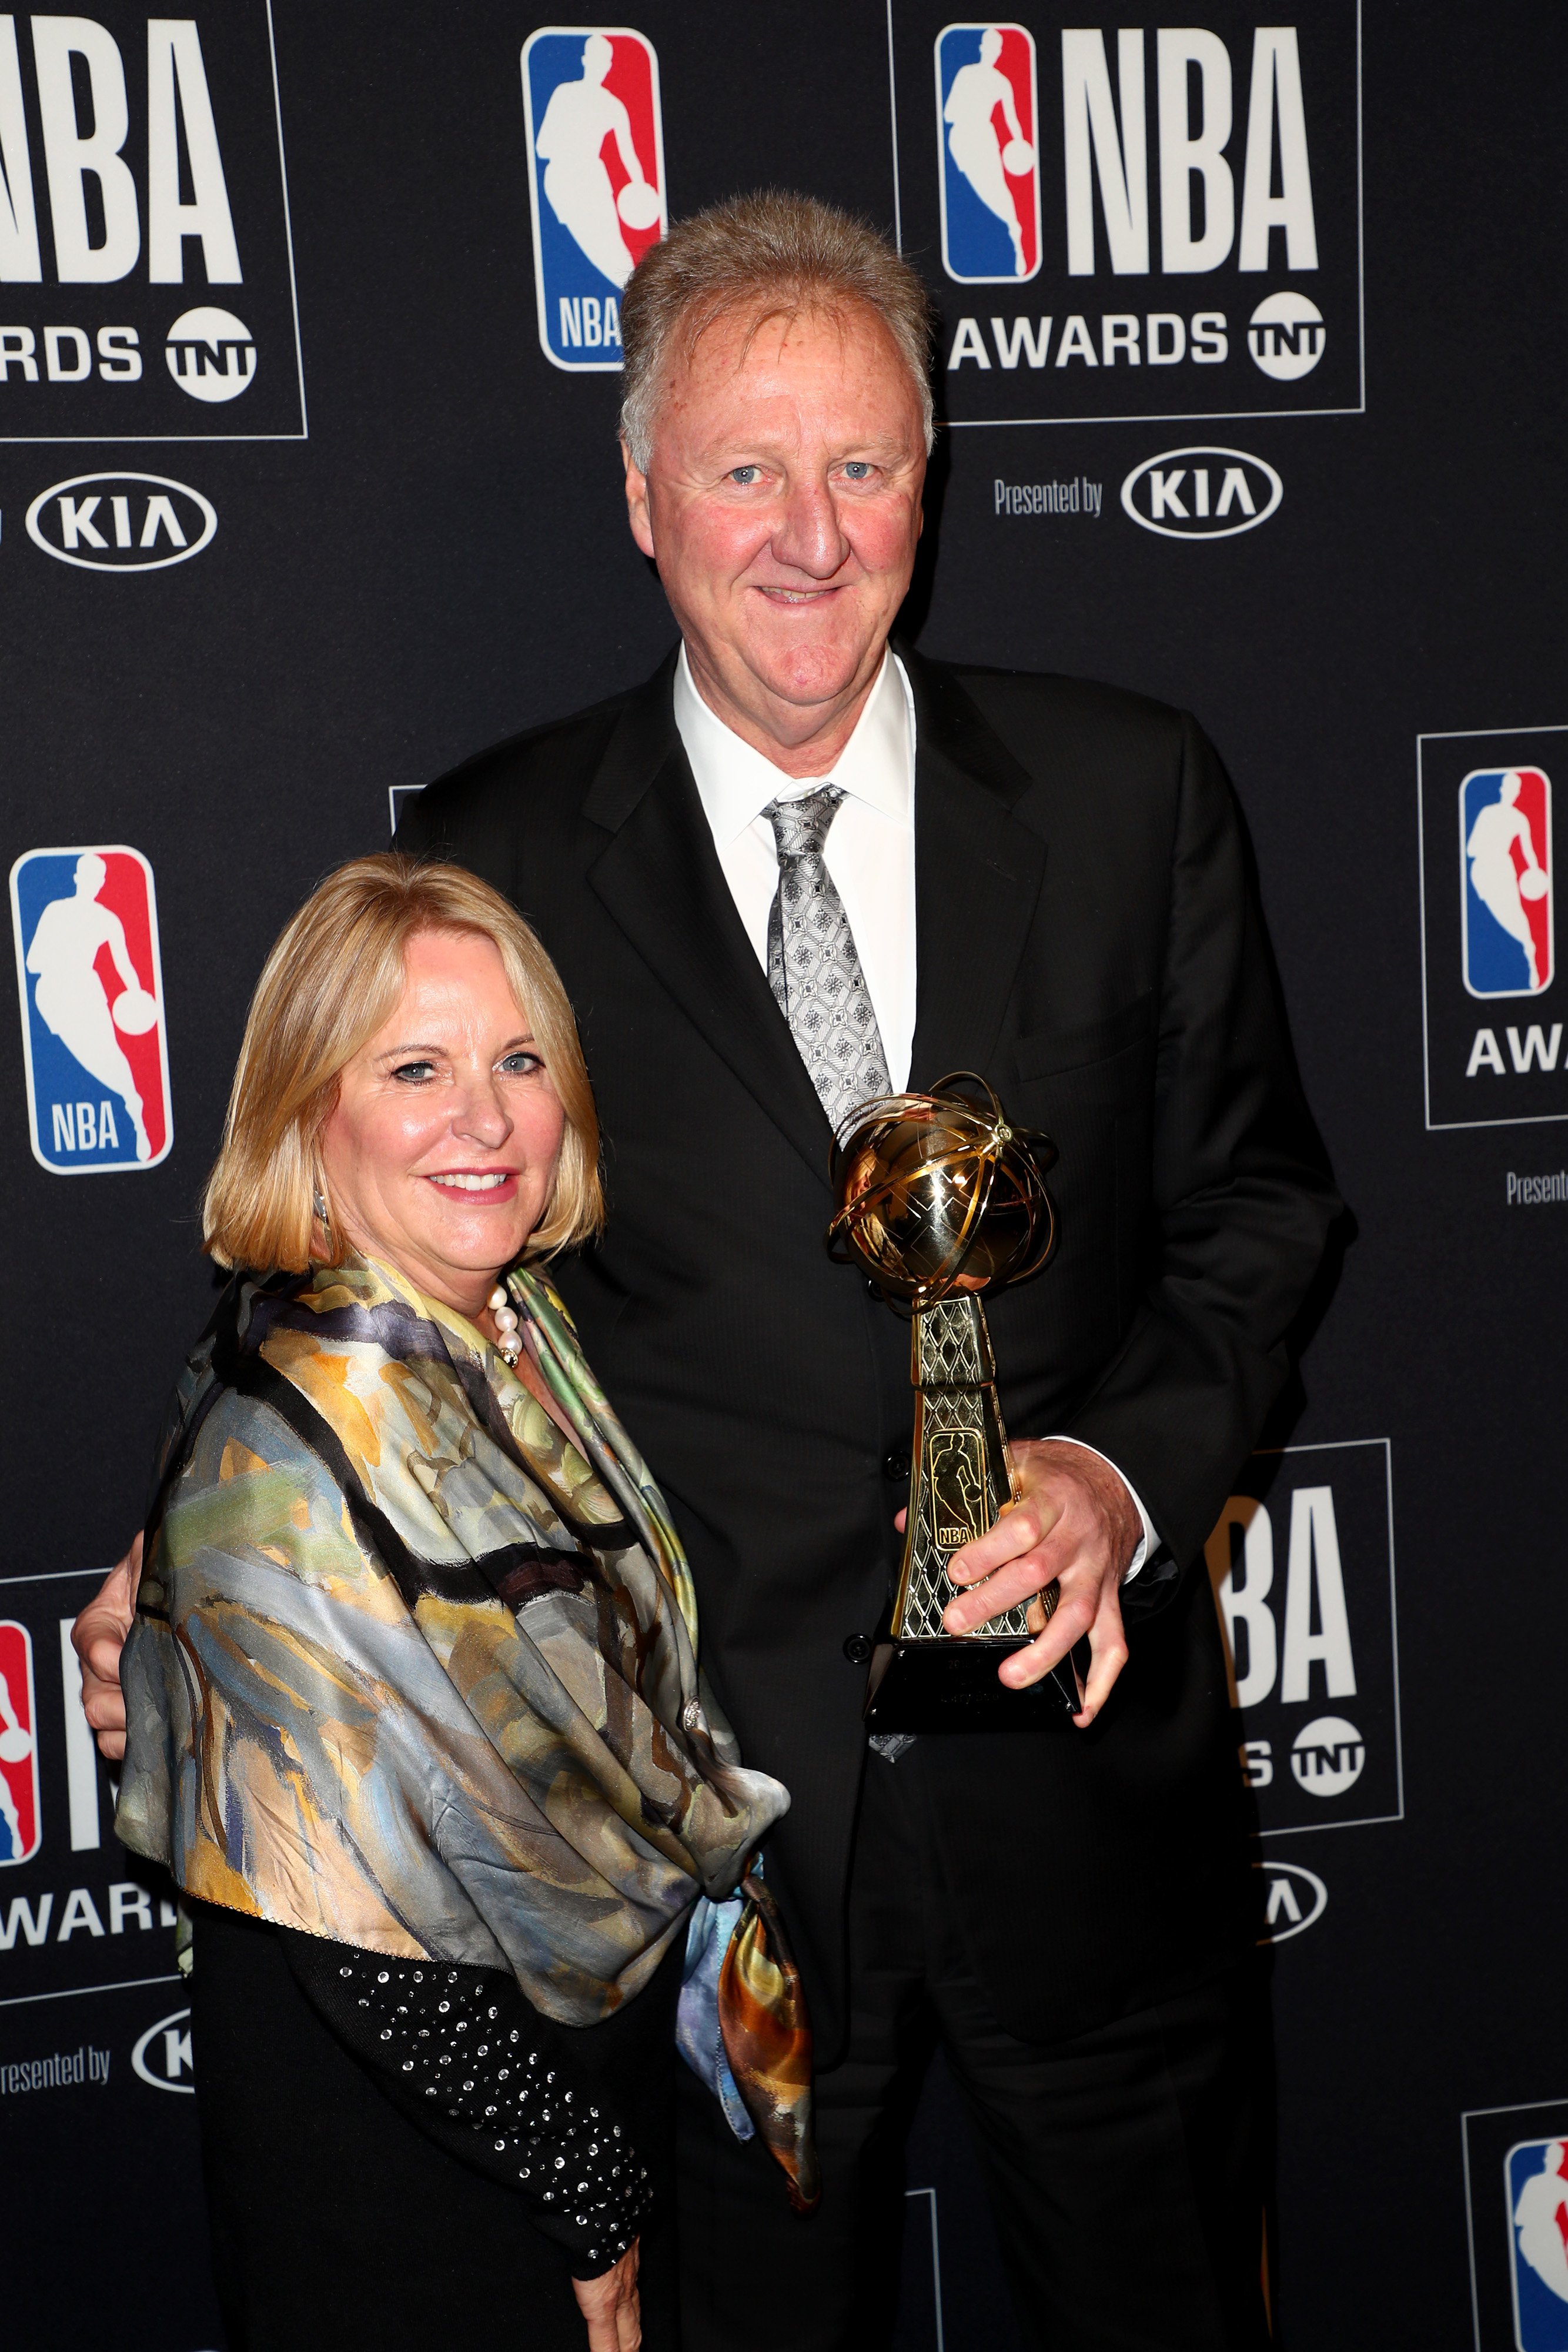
pixel 412 1671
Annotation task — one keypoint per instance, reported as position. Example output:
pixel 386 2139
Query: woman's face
pixel 441 1150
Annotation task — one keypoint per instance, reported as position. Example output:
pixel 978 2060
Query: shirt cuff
pixel 1150 1540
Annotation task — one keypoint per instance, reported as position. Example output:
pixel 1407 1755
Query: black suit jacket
pixel 1090 939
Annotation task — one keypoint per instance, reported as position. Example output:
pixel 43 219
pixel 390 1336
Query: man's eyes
pixel 855 469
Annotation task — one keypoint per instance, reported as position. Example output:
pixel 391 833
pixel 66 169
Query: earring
pixel 323 1214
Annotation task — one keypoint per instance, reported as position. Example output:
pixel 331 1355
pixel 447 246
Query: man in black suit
pixel 1066 1911
pixel 1046 882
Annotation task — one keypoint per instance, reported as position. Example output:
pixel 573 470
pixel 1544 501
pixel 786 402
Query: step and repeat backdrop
pixel 1251 351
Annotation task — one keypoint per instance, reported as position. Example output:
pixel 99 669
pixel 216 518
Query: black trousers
pixel 1121 2164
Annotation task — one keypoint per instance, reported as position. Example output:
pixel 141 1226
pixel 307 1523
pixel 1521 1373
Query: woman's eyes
pixel 520 1065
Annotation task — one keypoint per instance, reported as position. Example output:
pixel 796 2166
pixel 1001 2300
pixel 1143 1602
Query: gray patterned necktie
pixel 813 965
pixel 814 969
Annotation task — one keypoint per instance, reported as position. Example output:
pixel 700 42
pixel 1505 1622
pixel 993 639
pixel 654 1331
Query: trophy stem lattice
pixel 922 1677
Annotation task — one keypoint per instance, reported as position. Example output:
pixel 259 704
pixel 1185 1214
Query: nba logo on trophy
pixel 957 1473
pixel 1505 858
pixel 988 153
pixel 20 1829
pixel 1536 2173
pixel 596 167
pixel 88 972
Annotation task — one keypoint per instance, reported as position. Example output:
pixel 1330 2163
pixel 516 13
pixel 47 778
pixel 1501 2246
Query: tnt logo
pixel 596 163
pixel 1537 2188
pixel 88 971
pixel 1327 1754
pixel 211 353
pixel 989 164
pixel 1286 336
pixel 20 1828
pixel 1505 853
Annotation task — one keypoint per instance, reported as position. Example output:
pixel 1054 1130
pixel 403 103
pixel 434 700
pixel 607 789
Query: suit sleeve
pixel 1241 1197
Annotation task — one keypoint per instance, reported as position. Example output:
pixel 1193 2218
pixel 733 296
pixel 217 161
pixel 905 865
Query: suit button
pixel 873 1287
pixel 858 1649
pixel 896 1466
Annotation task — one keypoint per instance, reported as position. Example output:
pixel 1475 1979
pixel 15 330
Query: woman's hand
pixel 610 2307
pixel 98 1637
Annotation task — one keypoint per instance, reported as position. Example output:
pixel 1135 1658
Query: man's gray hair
pixel 766 256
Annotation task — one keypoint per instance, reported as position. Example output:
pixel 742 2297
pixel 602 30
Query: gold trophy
pixel 939 1199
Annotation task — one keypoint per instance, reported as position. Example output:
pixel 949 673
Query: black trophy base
pixel 923 1686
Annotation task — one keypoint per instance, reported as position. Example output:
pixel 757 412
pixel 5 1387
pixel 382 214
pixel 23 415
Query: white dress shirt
pixel 870 852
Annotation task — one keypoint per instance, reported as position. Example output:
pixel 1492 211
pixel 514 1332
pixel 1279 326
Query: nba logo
pixel 1536 2175
pixel 1505 858
pixel 92 1009
pixel 19 1825
pixel 988 153
pixel 596 163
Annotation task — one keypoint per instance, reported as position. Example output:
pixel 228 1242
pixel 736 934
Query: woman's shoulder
pixel 248 1482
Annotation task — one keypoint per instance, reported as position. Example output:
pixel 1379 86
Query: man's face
pixel 782 508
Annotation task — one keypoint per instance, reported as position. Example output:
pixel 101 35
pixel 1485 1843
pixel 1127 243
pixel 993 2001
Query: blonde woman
pixel 415 1714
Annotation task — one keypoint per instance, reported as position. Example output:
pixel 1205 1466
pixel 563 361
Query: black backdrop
pixel 440 559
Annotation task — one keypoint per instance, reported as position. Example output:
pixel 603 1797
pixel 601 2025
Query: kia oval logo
pixel 121 522
pixel 1201 493
pixel 1294 1899
pixel 162 2056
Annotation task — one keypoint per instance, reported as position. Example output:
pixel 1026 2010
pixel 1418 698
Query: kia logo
pixel 1294 1898
pixel 120 522
pixel 1201 493
pixel 162 2056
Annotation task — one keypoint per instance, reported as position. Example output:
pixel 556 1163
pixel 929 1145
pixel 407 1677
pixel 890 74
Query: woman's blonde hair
pixel 333 978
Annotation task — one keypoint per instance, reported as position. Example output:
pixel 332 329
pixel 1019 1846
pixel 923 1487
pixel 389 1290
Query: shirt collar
pixel 734 783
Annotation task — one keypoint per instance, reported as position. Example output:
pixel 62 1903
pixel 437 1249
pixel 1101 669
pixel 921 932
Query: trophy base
pixel 951 1685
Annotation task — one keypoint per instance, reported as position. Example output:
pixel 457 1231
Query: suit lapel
pixel 977 874
pixel 660 878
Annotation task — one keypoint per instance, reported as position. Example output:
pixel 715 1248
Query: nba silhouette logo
pixel 1536 2184
pixel 596 166
pixel 1505 861
pixel 988 153
pixel 20 1825
pixel 91 986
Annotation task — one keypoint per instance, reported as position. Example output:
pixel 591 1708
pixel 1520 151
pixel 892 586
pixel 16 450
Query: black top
pixel 472 2063
pixel 1091 941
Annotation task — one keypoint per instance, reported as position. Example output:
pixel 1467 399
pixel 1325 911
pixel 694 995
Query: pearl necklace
pixel 506 1317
